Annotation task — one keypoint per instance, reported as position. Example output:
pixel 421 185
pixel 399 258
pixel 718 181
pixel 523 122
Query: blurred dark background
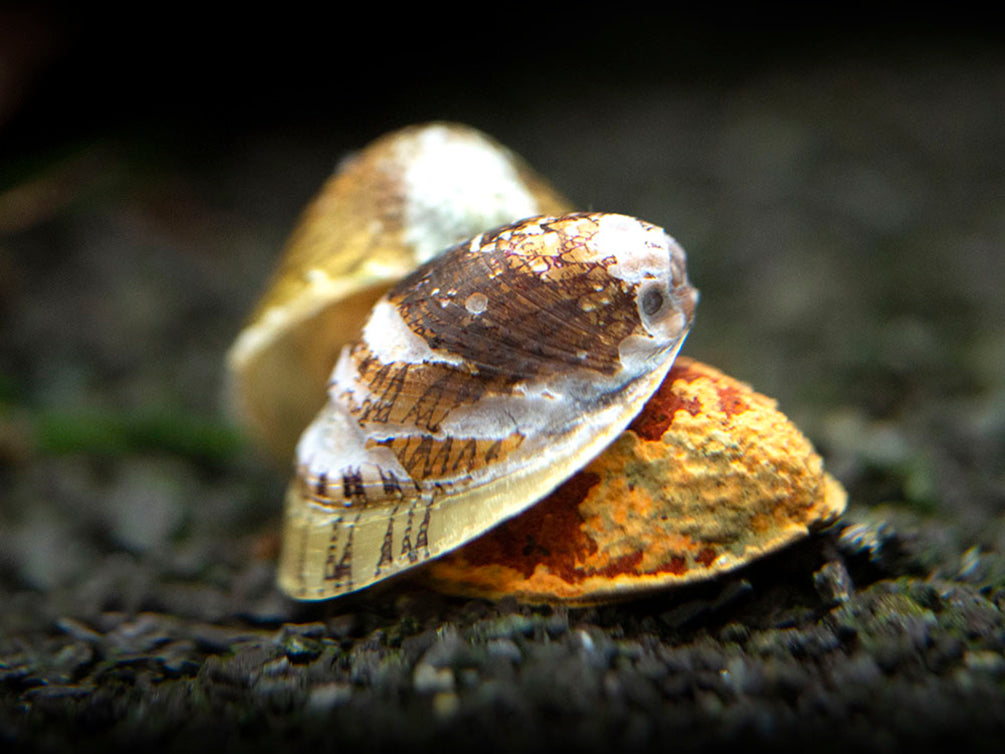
pixel 72 73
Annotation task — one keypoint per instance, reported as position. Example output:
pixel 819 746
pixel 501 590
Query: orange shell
pixel 707 478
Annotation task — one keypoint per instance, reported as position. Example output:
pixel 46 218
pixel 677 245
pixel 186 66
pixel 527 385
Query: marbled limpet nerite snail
pixel 492 374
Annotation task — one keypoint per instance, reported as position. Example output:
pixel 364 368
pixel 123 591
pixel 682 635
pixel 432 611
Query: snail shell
pixel 386 210
pixel 480 383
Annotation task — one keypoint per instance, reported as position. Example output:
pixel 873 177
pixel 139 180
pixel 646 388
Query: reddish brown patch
pixel 620 566
pixel 657 415
pixel 705 556
pixel 677 566
pixel 548 533
pixel 731 401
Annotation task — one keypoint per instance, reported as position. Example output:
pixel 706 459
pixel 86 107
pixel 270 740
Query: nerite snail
pixel 488 377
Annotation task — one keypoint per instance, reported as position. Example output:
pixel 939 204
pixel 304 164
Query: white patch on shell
pixel 335 443
pixel 638 353
pixel 456 185
pixel 476 303
pixel 498 416
pixel 539 408
pixel 345 376
pixel 648 249
pixel 646 257
pixel 391 341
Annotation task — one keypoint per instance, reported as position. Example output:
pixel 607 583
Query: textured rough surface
pixel 841 203
pixel 708 477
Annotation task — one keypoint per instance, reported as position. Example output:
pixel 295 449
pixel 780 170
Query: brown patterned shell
pixel 389 208
pixel 481 382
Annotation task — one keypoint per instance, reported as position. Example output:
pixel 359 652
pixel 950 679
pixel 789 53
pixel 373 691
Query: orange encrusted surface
pixel 707 478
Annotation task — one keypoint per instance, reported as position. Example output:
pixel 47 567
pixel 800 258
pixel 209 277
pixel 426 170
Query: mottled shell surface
pixel 481 382
pixel 386 210
pixel 709 476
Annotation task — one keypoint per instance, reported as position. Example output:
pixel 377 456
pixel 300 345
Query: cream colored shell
pixel 387 209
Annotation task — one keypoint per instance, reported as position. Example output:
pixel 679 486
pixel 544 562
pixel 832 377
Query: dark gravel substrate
pixel 843 205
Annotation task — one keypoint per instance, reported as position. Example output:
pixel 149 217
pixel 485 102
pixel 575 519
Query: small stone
pixel 504 648
pixel 69 662
pixel 833 583
pixel 301 643
pixel 325 696
pixel 278 667
pixel 312 630
pixel 78 630
pixel 971 567
pixel 445 704
pixel 990 663
pixel 178 658
pixel 429 680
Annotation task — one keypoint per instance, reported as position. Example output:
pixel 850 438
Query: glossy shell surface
pixel 482 381
pixel 386 210
pixel 709 476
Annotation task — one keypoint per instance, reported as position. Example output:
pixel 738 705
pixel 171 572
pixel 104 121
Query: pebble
pixel 833 583
pixel 990 663
pixel 505 649
pixel 323 697
pixel 428 679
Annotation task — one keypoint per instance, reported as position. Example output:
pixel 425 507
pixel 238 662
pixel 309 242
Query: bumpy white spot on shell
pixel 476 303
